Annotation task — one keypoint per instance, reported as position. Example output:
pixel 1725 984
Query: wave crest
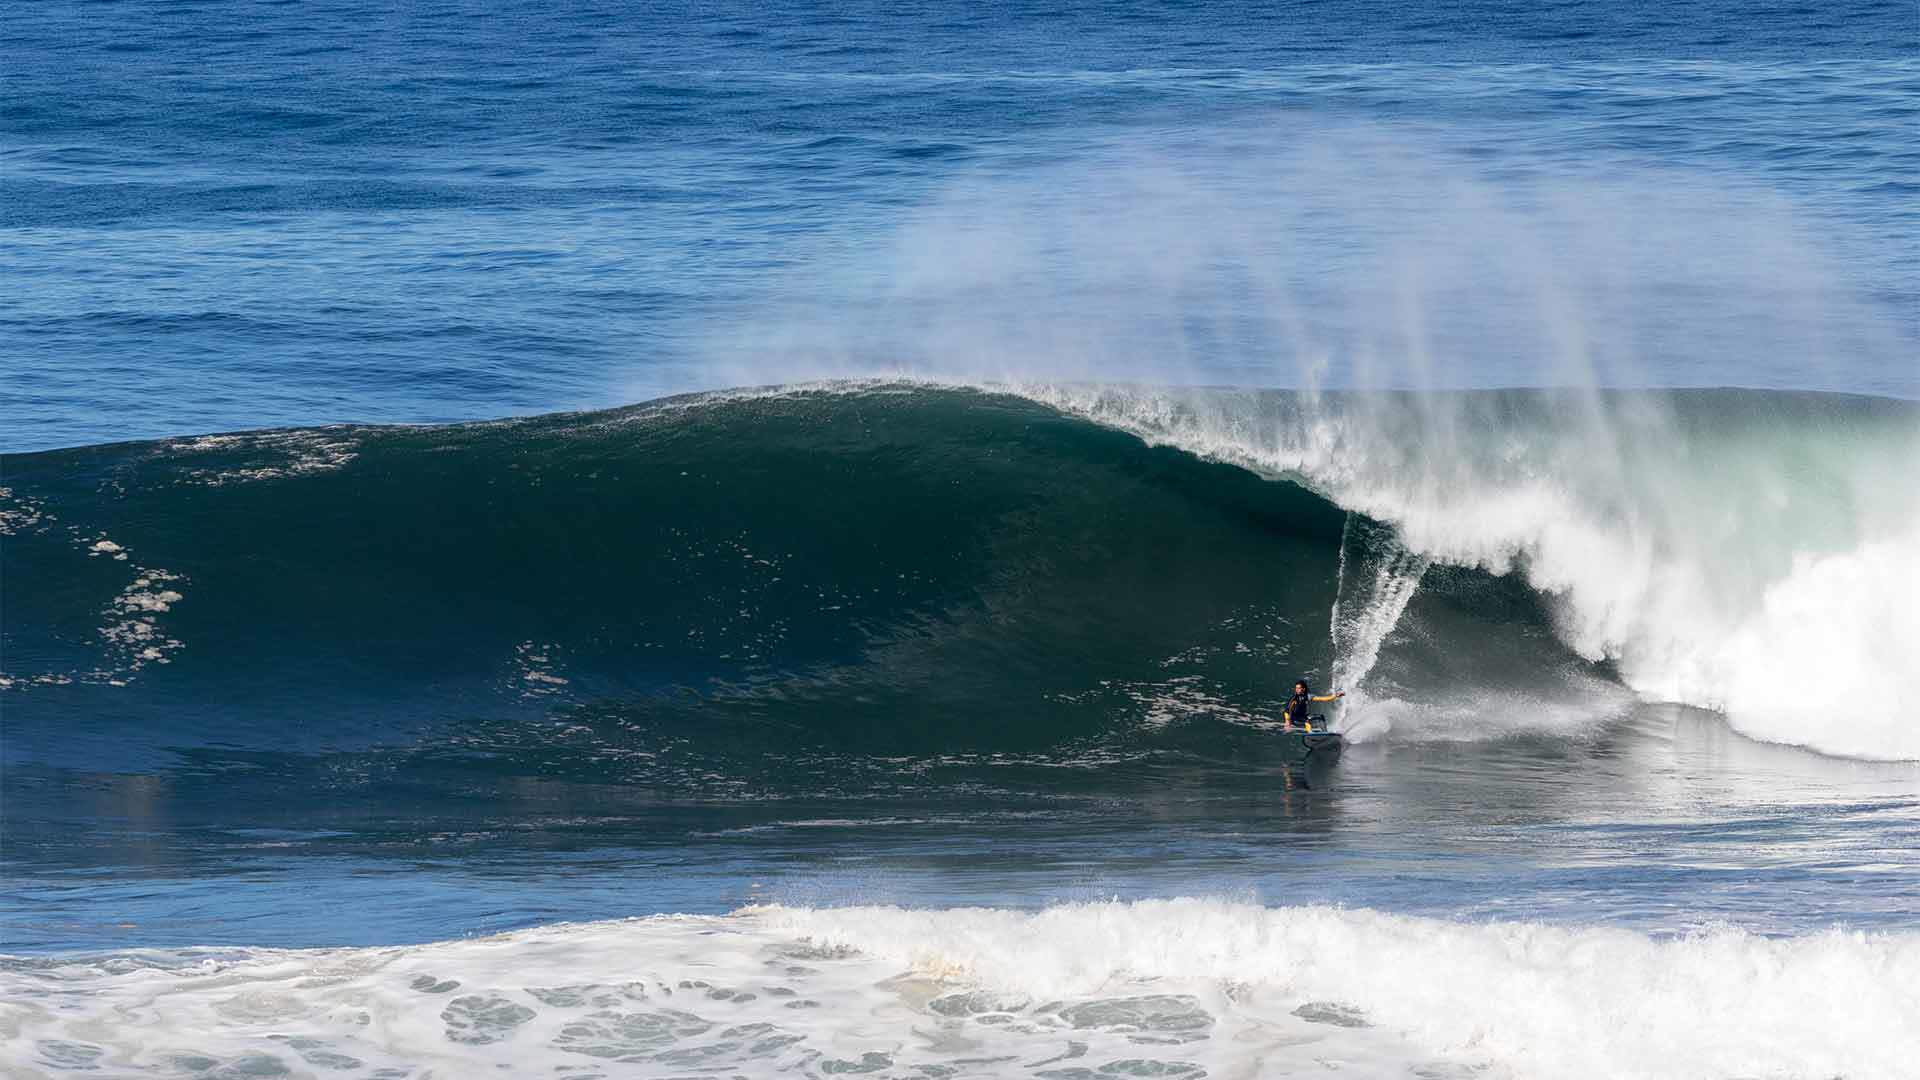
pixel 904 568
pixel 1754 553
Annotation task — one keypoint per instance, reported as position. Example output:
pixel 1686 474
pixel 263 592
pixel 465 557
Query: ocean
pixel 706 539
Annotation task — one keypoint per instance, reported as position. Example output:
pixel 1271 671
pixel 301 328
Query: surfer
pixel 1303 697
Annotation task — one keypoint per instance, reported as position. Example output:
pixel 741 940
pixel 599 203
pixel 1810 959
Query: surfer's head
pixel 1300 687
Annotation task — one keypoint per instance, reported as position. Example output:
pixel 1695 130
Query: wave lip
pixel 1011 567
pixel 1755 553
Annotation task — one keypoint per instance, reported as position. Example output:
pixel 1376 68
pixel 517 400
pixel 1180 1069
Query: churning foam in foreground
pixel 1178 988
pixel 1767 566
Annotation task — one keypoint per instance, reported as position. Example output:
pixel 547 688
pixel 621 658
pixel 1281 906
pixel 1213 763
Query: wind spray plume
pixel 1478 355
pixel 1286 251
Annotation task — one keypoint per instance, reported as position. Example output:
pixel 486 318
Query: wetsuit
pixel 1296 713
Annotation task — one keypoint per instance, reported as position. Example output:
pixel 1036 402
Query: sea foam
pixel 1180 988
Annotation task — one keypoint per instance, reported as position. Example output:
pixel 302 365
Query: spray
pixel 1378 577
pixel 1478 357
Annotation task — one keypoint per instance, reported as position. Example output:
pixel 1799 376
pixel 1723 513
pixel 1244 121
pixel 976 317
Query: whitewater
pixel 1179 988
pixel 1065 697
pixel 1766 566
pixel 1538 374
pixel 713 540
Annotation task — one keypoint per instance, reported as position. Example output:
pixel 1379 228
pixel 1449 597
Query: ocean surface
pixel 703 539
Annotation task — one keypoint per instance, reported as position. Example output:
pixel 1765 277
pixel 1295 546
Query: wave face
pixel 712 592
pixel 1753 553
pixel 1181 988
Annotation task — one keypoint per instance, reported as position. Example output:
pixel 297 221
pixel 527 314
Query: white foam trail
pixel 1385 577
pixel 1162 988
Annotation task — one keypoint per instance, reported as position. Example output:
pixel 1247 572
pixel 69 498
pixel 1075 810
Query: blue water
pixel 219 218
pixel 1194 331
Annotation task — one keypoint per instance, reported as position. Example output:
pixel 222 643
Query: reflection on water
pixel 1666 822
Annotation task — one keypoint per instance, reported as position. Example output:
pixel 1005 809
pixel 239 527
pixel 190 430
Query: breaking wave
pixel 688 590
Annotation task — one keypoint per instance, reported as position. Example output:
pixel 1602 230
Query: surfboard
pixel 1316 745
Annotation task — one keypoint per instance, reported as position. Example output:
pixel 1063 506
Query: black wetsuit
pixel 1297 706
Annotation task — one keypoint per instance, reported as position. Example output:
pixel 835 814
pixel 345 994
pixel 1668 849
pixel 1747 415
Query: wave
pixel 689 590
pixel 1183 988
pixel 1753 553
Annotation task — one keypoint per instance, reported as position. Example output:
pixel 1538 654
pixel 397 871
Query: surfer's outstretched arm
pixel 1330 697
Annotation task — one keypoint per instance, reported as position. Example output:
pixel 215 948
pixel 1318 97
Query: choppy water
pixel 919 714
